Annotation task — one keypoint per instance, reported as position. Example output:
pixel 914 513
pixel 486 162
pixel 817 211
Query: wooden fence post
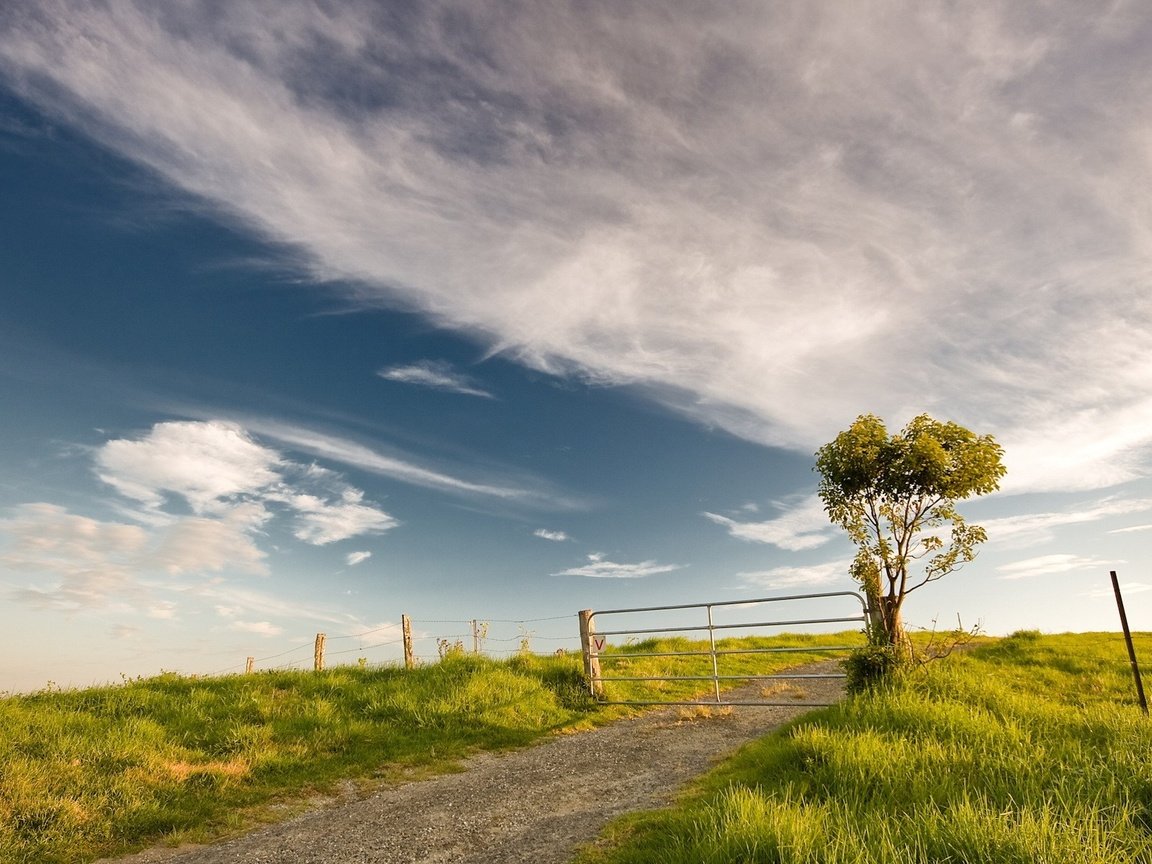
pixel 406 629
pixel 318 655
pixel 248 665
pixel 591 656
pixel 475 636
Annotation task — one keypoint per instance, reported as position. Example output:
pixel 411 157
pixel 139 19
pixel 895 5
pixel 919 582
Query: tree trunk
pixel 894 632
pixel 867 573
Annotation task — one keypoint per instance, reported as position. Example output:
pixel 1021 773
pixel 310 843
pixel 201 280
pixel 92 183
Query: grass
pixel 170 759
pixel 1029 749
pixel 108 770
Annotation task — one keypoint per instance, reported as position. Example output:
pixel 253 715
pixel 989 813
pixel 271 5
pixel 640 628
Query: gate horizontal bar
pixel 605 658
pixel 749 625
pixel 724 704
pixel 603 678
pixel 733 602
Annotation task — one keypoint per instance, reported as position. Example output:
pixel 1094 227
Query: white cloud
pixel 762 212
pixel 321 522
pixel 234 487
pixel 162 609
pixel 232 482
pixel 805 526
pixel 1050 565
pixel 599 568
pixel 1131 528
pixel 1029 529
pixel 198 545
pixel 436 374
pixel 354 558
pixel 59 560
pixel 260 628
pixel 205 463
pixel 84 563
pixel 546 534
pixel 814 576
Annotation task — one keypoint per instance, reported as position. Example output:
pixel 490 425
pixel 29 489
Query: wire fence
pixel 430 641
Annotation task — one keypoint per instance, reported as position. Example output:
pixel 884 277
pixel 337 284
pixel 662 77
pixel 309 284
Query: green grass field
pixel 86 773
pixel 1029 749
pixel 93 772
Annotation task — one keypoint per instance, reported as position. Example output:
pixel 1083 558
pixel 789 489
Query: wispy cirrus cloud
pixel 598 567
pixel 354 558
pixel 355 454
pixel 260 628
pixel 741 209
pixel 437 375
pixel 1126 588
pixel 1029 529
pixel 230 601
pixel 554 536
pixel 1050 565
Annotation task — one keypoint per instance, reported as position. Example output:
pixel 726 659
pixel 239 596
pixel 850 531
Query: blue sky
pixel 313 315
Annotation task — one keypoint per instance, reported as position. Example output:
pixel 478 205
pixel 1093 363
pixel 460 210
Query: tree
pixel 896 497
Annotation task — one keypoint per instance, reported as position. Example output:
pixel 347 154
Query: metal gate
pixel 594 641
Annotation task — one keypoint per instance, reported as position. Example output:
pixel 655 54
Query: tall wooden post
pixel 406 629
pixel 318 654
pixel 1128 640
pixel 248 665
pixel 591 653
pixel 475 636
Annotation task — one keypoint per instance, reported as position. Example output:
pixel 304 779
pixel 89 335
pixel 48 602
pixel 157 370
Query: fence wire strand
pixel 476 636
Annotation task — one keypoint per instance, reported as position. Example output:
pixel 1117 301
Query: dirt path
pixel 532 806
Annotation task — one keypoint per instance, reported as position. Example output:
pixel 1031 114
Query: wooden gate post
pixel 406 629
pixel 248 665
pixel 318 654
pixel 591 657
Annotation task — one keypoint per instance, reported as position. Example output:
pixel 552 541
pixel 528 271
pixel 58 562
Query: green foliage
pixel 96 772
pixel 896 497
pixel 873 666
pixel 1029 749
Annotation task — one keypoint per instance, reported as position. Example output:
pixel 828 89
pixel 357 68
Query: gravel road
pixel 531 806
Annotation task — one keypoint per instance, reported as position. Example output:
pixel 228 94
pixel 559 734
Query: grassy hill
pixel 1026 749
pixel 1029 749
pixel 86 773
pixel 94 772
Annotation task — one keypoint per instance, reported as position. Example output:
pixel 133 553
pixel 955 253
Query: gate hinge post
pixel 591 657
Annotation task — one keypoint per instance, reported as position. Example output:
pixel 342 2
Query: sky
pixel 317 314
